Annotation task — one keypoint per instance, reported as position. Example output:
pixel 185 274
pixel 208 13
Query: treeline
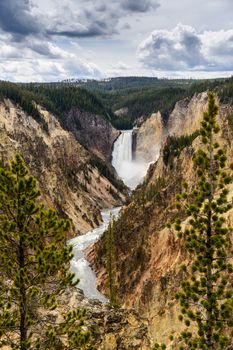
pixel 25 99
pixel 175 145
pixel 60 99
pixel 140 95
pixel 144 95
pixel 149 101
pixel 162 99
pixel 225 91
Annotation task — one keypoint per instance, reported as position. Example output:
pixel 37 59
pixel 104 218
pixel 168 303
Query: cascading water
pixel 132 173
pixel 122 155
pixel 129 170
pixel 80 266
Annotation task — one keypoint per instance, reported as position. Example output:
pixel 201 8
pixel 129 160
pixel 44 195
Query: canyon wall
pixel 148 138
pixel 149 254
pixel 65 170
pixel 93 131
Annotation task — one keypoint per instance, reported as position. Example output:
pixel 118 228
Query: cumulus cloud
pixel 70 18
pixel 41 61
pixel 31 48
pixel 46 70
pixel 16 17
pixel 99 18
pixel 184 49
pixel 32 35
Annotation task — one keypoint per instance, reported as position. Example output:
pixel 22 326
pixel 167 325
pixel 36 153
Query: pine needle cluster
pixel 206 296
pixel 34 268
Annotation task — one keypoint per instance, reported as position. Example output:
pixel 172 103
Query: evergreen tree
pixel 206 296
pixel 34 269
pixel 111 263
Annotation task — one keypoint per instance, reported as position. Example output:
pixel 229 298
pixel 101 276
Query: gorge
pixel 132 172
pixel 79 160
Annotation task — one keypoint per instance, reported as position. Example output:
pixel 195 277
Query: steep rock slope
pixel 148 254
pixel 148 138
pixel 186 116
pixel 92 130
pixel 63 168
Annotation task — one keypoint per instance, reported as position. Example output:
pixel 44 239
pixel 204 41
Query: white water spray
pixel 129 170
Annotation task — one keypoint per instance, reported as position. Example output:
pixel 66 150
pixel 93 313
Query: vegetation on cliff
pixel 174 146
pixel 143 96
pixel 110 244
pixel 61 99
pixel 34 264
pixel 206 296
pixel 24 98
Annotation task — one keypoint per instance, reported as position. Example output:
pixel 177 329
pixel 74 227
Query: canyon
pixel 88 171
pixel 67 173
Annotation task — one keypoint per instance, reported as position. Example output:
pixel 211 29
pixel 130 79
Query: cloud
pixel 69 18
pixel 139 6
pixel 47 70
pixel 40 60
pixel 31 48
pixel 46 49
pixel 87 20
pixel 120 68
pixel 16 17
pixel 184 49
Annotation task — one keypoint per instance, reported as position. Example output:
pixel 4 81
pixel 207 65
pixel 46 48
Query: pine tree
pixel 206 295
pixel 34 268
pixel 111 263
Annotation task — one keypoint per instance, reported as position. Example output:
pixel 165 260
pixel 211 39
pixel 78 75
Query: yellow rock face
pixel 149 137
pixel 60 164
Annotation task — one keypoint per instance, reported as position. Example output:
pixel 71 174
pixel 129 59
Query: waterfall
pixel 122 154
pixel 129 170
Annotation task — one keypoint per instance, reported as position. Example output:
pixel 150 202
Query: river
pixel 80 266
pixel 132 173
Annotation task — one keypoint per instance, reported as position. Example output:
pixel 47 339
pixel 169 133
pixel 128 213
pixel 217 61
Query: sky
pixel 53 40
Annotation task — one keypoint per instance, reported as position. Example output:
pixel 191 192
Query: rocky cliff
pixel 65 170
pixel 187 114
pixel 112 329
pixel 149 254
pixel 148 138
pixel 93 131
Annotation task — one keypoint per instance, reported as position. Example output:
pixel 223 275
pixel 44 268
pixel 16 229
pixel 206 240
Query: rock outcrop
pixel 93 131
pixel 67 178
pixel 112 329
pixel 148 138
pixel 122 111
pixel 187 114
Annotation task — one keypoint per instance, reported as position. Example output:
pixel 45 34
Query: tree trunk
pixel 23 300
pixel 209 255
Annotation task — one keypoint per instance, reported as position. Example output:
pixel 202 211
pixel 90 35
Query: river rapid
pixel 80 266
pixel 132 173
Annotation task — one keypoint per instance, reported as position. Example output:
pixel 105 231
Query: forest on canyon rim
pixel 32 282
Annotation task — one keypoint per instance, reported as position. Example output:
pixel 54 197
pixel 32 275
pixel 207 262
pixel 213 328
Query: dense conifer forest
pixel 138 96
